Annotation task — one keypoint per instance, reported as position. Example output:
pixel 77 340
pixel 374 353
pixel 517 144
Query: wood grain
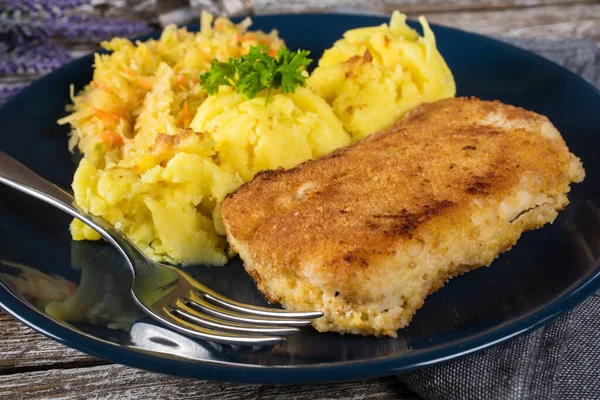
pixel 386 6
pixel 540 19
pixel 32 365
pixel 578 21
pixel 117 381
pixel 22 349
pixel 129 9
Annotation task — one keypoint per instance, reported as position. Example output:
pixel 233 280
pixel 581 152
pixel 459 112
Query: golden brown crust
pixel 444 191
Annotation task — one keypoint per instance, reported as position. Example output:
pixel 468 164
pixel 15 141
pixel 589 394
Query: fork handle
pixel 18 176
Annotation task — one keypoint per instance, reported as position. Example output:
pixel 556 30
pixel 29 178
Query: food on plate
pixel 266 119
pixel 250 137
pixel 143 169
pixel 166 207
pixel 169 127
pixel 374 75
pixel 165 195
pixel 145 88
pixel 368 231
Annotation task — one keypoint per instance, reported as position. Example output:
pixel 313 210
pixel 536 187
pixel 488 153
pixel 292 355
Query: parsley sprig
pixel 257 70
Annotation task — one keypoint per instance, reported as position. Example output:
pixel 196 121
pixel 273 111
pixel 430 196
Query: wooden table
pixel 33 366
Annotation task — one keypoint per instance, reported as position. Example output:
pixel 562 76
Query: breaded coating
pixel 367 232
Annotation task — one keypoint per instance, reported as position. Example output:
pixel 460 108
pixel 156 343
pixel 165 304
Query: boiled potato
pixel 165 197
pixel 374 75
pixel 252 137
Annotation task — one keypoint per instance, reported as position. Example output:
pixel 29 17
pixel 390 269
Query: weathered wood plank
pixel 32 365
pixel 386 6
pixel 117 381
pixel 565 21
pixel 128 9
pixel 579 21
pixel 23 349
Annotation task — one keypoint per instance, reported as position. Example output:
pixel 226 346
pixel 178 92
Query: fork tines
pixel 214 317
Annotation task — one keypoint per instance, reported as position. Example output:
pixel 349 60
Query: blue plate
pixel 545 274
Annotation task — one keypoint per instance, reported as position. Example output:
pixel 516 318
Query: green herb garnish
pixel 257 70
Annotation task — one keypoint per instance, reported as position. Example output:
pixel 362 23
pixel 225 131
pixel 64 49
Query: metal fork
pixel 168 294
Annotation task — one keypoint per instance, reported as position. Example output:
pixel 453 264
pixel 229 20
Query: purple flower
pixel 23 21
pixel 17 28
pixel 91 28
pixel 27 25
pixel 46 5
pixel 33 59
pixel 7 91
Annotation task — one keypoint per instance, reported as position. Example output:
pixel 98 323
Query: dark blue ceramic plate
pixel 546 273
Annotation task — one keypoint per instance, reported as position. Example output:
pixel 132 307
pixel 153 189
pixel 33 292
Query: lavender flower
pixel 47 5
pixel 17 28
pixel 27 25
pixel 33 59
pixel 91 28
pixel 7 91
pixel 22 21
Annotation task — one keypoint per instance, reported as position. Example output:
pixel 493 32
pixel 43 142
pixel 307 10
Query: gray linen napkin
pixel 558 361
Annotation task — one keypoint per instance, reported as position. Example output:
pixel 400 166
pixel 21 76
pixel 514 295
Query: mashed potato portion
pixel 166 198
pixel 374 75
pixel 167 206
pixel 250 137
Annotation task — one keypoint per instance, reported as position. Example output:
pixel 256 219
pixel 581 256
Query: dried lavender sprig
pixel 8 91
pixel 19 27
pixel 44 4
pixel 33 59
pixel 22 25
pixel 93 28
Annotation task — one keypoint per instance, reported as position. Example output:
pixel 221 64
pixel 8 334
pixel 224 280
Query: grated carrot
pixel 180 80
pixel 264 41
pixel 100 85
pixel 238 37
pixel 106 116
pixel 272 52
pixel 110 137
pixel 144 83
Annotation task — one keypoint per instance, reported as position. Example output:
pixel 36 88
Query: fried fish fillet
pixel 367 232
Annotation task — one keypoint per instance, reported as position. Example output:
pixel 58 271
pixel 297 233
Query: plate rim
pixel 324 372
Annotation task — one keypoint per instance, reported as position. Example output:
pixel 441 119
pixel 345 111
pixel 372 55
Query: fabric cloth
pixel 558 361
